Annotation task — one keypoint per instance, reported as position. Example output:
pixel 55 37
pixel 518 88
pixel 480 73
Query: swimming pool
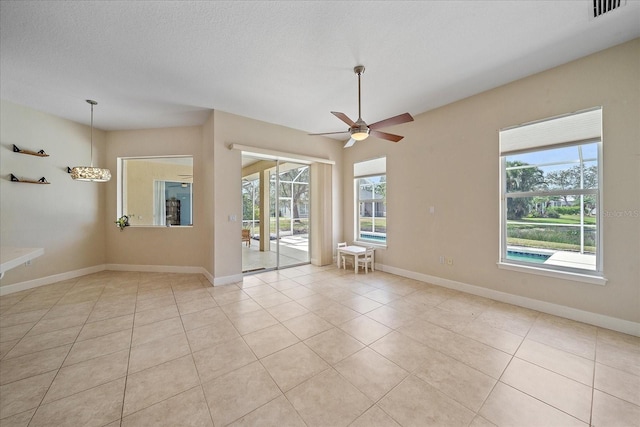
pixel 374 237
pixel 527 256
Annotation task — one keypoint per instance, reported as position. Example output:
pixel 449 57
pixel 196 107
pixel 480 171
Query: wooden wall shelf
pixel 42 180
pixel 40 153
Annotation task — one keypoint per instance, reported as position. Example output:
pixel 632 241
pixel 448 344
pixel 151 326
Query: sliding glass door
pixel 276 211
pixel 292 180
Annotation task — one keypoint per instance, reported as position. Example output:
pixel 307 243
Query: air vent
pixel 602 7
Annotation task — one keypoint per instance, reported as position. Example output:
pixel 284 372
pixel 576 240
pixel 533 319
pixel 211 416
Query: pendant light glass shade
pixel 90 173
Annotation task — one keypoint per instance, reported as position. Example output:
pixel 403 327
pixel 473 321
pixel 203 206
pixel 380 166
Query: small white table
pixel 354 251
pixel 11 257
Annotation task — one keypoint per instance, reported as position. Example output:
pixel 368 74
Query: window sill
pixel 372 244
pixel 566 275
pixel 159 226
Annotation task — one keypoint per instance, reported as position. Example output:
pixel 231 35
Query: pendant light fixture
pixel 90 173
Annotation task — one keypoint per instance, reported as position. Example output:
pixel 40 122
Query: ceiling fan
pixel 359 130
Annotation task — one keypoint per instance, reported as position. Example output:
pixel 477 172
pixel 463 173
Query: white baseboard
pixel 30 284
pixel 208 275
pixel 607 322
pixel 227 280
pixel 162 269
pixel 154 268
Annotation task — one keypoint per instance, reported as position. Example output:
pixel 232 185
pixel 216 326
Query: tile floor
pixel 306 346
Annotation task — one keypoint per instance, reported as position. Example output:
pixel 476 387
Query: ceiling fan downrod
pixel 359 70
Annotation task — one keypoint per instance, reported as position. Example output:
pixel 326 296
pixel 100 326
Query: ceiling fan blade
pixel 344 118
pixel 328 133
pixel 396 120
pixel 385 135
pixel 349 143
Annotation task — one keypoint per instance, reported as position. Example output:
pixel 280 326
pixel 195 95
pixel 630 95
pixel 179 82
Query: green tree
pixel 520 177
pixel 569 179
pixel 298 191
pixel 249 191
pixel 294 184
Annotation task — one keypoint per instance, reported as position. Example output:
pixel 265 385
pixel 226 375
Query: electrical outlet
pixel 449 261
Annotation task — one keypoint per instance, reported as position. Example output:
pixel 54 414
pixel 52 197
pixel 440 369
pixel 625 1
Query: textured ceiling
pixel 164 63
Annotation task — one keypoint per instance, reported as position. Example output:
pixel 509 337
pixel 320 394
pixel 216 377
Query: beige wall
pixel 449 160
pixel 208 213
pixel 165 246
pixel 216 169
pixel 65 217
pixel 232 129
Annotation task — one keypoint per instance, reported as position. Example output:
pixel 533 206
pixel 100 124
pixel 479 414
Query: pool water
pixel 527 257
pixel 374 237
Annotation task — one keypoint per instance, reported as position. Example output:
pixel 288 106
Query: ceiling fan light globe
pixel 360 132
pixel 359 136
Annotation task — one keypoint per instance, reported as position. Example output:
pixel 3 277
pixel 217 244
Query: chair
pixel 246 236
pixel 343 256
pixel 367 260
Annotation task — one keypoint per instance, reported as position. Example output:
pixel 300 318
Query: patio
pixel 293 250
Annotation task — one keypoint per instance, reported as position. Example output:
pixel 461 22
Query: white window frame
pixel 363 170
pixel 573 129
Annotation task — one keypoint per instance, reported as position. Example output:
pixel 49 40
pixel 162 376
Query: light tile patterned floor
pixel 306 346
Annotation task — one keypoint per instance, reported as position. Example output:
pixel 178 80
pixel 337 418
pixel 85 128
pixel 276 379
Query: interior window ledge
pixel 372 244
pixel 566 275
pixel 158 226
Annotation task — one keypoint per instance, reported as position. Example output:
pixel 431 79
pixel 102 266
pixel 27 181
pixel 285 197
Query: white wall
pixel 65 217
pixel 449 160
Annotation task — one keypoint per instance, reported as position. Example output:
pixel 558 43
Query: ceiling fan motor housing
pixel 360 131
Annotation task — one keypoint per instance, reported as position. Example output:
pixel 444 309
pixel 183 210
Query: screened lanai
pixel 279 192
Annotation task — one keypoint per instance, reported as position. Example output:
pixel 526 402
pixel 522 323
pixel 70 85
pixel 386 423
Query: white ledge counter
pixel 11 257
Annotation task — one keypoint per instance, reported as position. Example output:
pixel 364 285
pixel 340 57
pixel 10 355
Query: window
pixel 156 191
pixel 371 200
pixel 551 190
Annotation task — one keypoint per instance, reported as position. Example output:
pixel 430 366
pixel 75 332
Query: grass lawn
pixel 366 224
pixel 512 241
pixel 299 227
pixel 552 233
